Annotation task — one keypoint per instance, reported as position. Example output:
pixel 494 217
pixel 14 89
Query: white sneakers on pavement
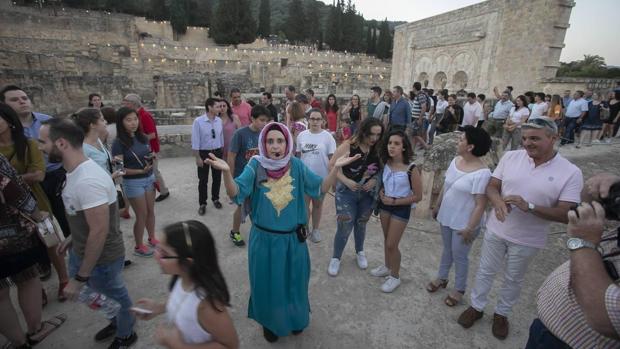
pixel 362 262
pixel 380 271
pixel 315 236
pixel 334 266
pixel 390 284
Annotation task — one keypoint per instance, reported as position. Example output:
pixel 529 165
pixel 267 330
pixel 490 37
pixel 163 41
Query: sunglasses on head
pixel 213 133
pixel 188 242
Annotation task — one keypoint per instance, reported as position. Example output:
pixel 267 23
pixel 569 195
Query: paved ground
pixel 348 311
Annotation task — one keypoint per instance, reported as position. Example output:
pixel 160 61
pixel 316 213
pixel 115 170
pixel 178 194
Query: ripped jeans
pixel 353 209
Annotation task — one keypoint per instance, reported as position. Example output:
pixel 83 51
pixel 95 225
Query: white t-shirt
pixel 441 106
pixel 517 115
pixel 88 186
pixel 538 110
pixel 472 113
pixel 315 149
pixel 458 201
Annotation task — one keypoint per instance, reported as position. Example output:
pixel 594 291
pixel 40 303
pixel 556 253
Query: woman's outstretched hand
pixel 217 163
pixel 346 159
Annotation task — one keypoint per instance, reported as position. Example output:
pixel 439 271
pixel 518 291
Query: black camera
pixel 612 203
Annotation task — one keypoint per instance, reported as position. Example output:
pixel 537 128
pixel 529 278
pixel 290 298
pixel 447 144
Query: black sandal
pixel 52 324
pixel 269 336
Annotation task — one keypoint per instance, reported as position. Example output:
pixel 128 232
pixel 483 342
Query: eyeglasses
pixel 213 133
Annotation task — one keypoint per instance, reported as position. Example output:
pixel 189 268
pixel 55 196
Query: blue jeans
pixel 456 251
pixel 353 209
pixel 570 125
pixel 108 280
pixel 542 338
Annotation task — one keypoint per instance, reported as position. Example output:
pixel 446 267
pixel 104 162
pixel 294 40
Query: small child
pixel 196 308
pixel 344 132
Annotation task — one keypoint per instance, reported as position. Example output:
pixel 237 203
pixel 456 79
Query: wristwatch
pixel 530 207
pixel 82 279
pixel 574 244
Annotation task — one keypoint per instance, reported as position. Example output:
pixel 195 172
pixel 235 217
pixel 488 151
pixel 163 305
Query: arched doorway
pixel 440 81
pixel 459 81
pixel 423 79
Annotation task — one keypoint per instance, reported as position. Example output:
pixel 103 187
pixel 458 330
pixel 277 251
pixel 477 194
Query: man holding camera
pixel 579 303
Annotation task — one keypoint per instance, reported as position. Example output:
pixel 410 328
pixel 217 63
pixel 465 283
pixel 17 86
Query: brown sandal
pixel 47 327
pixel 432 287
pixel 451 301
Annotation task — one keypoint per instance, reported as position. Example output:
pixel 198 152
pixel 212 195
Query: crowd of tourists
pixel 277 163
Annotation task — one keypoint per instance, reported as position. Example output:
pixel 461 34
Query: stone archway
pixel 459 81
pixel 440 81
pixel 423 79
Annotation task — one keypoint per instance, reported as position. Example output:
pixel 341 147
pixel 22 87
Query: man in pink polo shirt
pixel 529 189
pixel 240 107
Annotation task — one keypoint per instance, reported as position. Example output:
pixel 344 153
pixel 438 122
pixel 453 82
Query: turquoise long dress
pixel 279 265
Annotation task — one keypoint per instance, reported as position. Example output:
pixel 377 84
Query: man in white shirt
pixel 97 253
pixel 540 107
pixel 472 111
pixel 207 138
pixel 575 112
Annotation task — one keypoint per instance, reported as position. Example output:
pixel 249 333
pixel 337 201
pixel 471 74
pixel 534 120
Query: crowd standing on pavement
pixel 278 166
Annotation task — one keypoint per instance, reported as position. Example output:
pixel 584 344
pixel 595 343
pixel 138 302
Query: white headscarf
pixel 265 161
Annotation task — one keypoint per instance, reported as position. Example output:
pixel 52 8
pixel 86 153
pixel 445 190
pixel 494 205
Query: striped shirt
pixel 416 105
pixel 561 314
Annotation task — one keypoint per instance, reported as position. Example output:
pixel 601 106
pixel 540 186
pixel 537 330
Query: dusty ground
pixel 348 311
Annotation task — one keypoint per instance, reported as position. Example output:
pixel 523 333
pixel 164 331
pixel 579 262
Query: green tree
pixel 158 10
pixel 313 24
pixel 201 12
pixel 592 66
pixel 233 23
pixel 295 24
pixel 333 36
pixel 179 14
pixel 371 38
pixel 384 44
pixel 264 18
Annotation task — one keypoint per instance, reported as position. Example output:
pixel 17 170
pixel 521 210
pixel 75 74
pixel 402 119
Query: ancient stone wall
pixel 559 85
pixel 493 43
pixel 65 56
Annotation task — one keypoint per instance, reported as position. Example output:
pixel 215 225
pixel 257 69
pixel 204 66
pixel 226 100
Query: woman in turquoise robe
pixel 279 263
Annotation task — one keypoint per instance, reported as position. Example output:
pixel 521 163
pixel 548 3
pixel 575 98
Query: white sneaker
pixel 596 141
pixel 334 266
pixel 390 284
pixel 380 271
pixel 361 260
pixel 315 236
pixel 608 140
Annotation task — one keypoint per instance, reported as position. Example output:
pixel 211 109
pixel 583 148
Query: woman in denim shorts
pixel 132 147
pixel 401 187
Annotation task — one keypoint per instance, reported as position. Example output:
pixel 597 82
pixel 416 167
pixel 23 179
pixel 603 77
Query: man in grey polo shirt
pixel 495 123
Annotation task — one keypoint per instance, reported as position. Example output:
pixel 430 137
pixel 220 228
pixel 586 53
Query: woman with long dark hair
pixel 21 251
pixel 24 155
pixel 132 147
pixel 94 101
pixel 230 123
pixel 401 186
pixel 331 111
pixel 353 111
pixel 512 127
pixel 355 190
pixel 196 306
pixel 276 183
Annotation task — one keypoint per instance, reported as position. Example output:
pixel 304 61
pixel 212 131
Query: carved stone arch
pixel 423 64
pixel 464 61
pixel 423 79
pixel 442 62
pixel 440 80
pixel 459 81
